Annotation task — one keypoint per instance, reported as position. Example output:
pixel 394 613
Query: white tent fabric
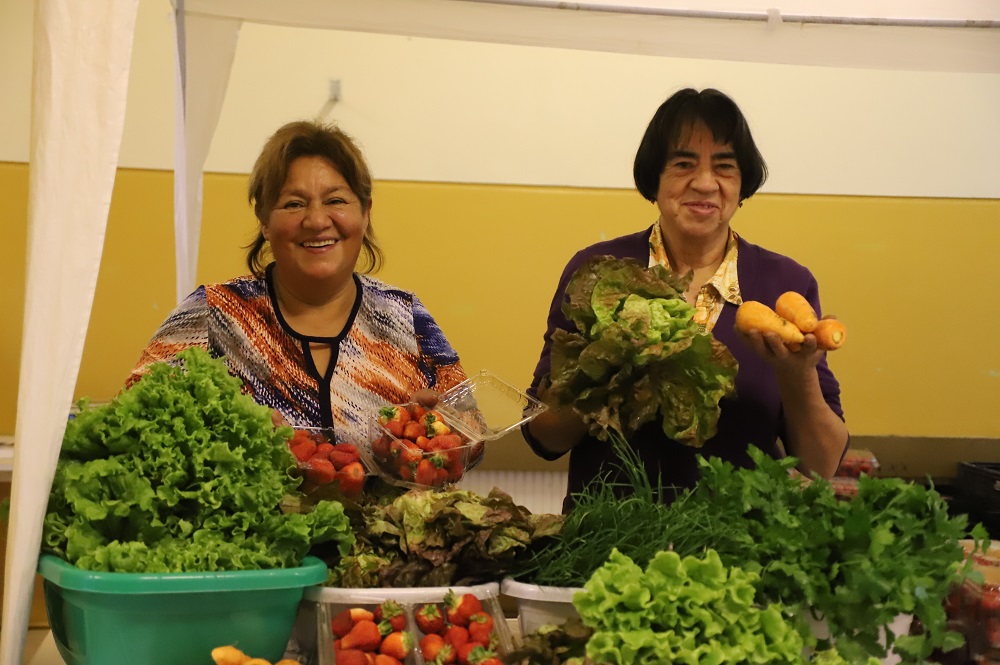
pixel 82 52
pixel 210 43
pixel 82 56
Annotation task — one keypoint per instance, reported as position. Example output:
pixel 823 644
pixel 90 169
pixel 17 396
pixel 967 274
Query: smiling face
pixel 699 188
pixel 316 227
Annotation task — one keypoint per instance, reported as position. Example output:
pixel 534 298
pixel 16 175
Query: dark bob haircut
pixel 677 115
pixel 308 139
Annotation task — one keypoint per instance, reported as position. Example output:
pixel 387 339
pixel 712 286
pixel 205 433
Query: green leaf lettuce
pixel 637 354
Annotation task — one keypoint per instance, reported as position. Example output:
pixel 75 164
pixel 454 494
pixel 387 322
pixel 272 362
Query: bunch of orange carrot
pixel 230 655
pixel 791 319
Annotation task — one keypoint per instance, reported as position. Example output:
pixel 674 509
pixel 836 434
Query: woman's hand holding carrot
pixel 793 321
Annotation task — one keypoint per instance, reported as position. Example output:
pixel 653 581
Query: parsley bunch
pixel 856 564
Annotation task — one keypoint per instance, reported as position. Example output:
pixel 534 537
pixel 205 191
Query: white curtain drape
pixel 82 56
pixel 206 47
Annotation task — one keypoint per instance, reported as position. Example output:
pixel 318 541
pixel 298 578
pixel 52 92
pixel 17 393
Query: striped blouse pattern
pixel 391 349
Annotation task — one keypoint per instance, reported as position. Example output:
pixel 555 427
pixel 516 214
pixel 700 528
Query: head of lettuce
pixel 637 354
pixel 181 473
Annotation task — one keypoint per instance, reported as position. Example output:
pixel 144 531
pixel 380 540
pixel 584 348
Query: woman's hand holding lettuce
pixel 181 472
pixel 637 354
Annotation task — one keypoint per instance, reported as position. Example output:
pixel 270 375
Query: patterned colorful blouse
pixel 390 348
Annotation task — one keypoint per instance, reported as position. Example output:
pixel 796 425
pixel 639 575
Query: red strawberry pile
pixel 457 631
pixel 323 463
pixel 420 448
pixel 363 637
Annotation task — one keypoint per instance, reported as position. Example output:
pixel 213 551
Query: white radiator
pixel 538 491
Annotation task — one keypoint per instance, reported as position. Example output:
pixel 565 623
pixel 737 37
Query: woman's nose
pixel 704 179
pixel 315 217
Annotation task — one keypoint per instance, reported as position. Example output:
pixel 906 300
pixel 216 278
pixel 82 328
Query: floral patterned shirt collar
pixel 724 286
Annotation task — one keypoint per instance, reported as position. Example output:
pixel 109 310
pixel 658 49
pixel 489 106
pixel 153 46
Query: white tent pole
pixel 206 47
pixel 82 56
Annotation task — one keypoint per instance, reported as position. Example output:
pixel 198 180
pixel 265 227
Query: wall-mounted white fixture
pixel 333 96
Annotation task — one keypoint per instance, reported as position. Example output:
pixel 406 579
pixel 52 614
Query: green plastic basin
pixel 171 618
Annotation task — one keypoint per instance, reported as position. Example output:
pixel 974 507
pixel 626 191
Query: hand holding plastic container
pixel 416 447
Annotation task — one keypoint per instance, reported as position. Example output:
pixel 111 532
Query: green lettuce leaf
pixel 181 473
pixel 637 354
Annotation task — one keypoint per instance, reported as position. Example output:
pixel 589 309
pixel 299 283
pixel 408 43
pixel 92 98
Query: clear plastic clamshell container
pixel 323 615
pixel 434 448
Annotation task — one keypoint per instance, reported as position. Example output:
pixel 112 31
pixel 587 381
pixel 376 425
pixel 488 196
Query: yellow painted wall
pixel 914 280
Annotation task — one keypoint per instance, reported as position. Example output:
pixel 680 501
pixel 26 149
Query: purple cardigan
pixel 751 417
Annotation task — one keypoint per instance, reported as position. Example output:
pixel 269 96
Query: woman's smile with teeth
pixel 319 243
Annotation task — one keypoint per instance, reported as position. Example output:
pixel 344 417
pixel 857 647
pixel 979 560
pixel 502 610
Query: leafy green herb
pixel 855 564
pixel 628 516
pixel 181 473
pixel 637 354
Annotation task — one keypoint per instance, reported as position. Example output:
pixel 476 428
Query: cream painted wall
pixel 439 110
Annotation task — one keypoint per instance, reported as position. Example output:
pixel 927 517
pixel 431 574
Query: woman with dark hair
pixel 698 162
pixel 311 337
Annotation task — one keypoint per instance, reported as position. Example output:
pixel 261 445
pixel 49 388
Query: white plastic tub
pixel 540 605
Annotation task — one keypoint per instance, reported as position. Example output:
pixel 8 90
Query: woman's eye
pixel 333 202
pixel 291 205
pixel 682 164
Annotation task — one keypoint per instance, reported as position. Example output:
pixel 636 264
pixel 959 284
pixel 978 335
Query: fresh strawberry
pixel 351 479
pixel 380 447
pixel 480 627
pixel 393 418
pixel 434 424
pixel 319 470
pixel 365 636
pixel 323 449
pixel 417 411
pixel 434 649
pixel 424 444
pixel 392 612
pixel 342 623
pixel 301 435
pixel 406 472
pixel 426 473
pixel 458 609
pixel 471 653
pixel 341 459
pixel 429 619
pixel 489 660
pixel 447 441
pixel 348 449
pixel 440 477
pixel 351 657
pixel 409 453
pixel 398 644
pixel 455 469
pixel 302 449
pixel 413 429
pixel 382 659
pixel 456 636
